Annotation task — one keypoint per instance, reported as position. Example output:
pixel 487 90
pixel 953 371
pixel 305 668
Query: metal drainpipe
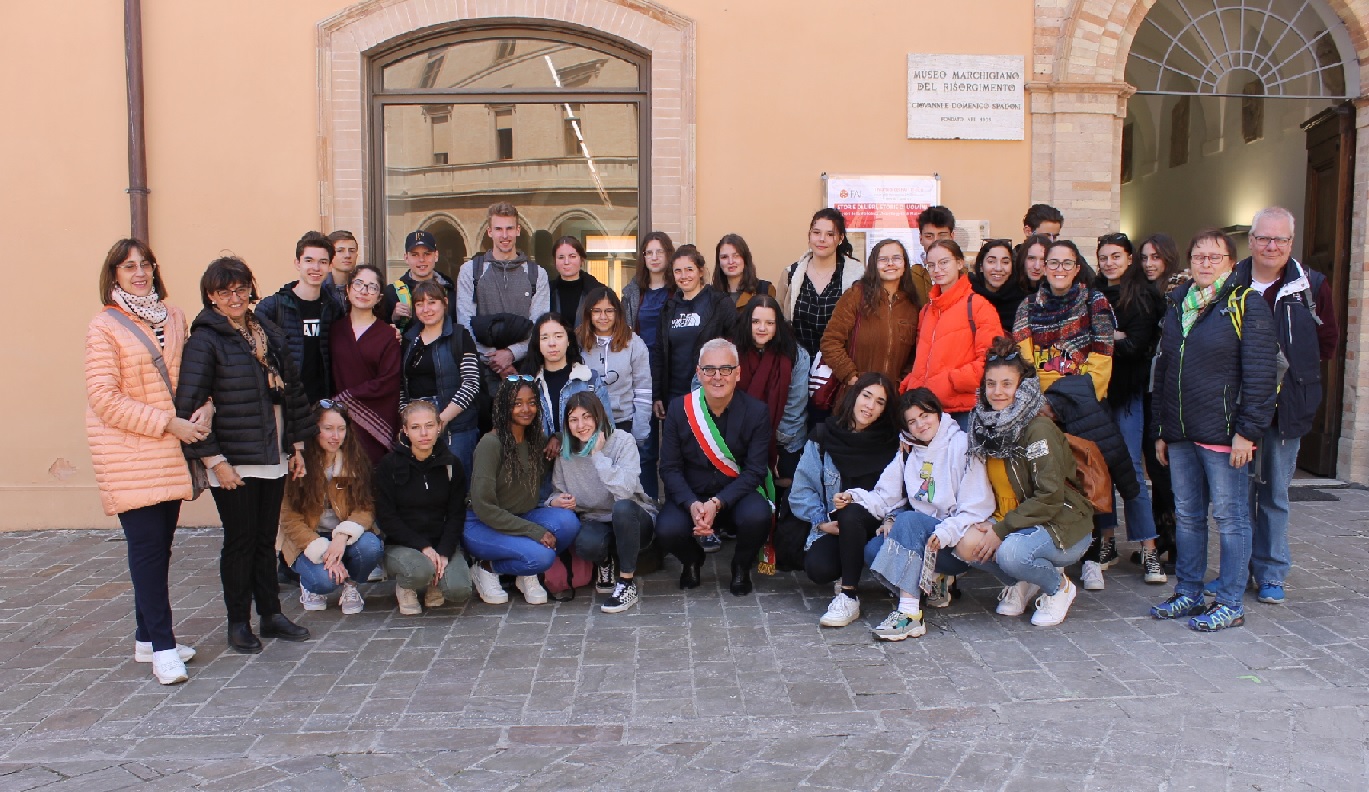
pixel 137 141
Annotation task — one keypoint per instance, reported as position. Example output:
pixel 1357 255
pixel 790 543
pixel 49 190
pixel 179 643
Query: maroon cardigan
pixel 366 376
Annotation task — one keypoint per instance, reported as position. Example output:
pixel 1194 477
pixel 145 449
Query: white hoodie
pixel 940 479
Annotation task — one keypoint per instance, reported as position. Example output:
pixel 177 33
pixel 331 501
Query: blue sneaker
pixel 1178 606
pixel 711 543
pixel 1217 617
pixel 1271 593
pixel 1210 588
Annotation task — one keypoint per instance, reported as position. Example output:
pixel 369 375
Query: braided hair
pixel 514 469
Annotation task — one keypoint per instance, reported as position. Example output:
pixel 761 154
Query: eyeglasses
pixel 1061 264
pixel 1211 258
pixel 891 260
pixel 129 267
pixel 1266 241
pixel 716 371
pixel 329 404
pixel 241 292
pixel 520 378
pixel 362 287
pixel 603 312
pixel 1013 355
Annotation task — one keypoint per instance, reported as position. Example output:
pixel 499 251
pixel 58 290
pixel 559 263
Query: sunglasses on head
pixel 520 378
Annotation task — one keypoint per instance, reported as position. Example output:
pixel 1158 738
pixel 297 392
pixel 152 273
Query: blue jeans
pixel 1270 557
pixel 1202 478
pixel 650 454
pixel 897 560
pixel 462 446
pixel 1031 555
pixel 631 529
pixel 1130 420
pixel 359 558
pixel 519 555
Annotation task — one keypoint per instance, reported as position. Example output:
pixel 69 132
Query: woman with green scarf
pixel 1214 388
pixel 598 476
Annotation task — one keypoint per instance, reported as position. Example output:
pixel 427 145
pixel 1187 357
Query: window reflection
pixel 503 63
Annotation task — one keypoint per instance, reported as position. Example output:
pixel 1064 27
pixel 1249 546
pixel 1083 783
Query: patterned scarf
pixel 255 335
pixel 150 309
pixel 1197 300
pixel 995 433
pixel 1065 329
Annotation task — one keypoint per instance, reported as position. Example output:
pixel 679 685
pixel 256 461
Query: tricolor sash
pixel 715 448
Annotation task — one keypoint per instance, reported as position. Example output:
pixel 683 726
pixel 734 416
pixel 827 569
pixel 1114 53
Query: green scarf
pixel 1197 300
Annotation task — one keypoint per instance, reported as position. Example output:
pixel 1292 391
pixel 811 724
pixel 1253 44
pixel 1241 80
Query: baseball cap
pixel 417 238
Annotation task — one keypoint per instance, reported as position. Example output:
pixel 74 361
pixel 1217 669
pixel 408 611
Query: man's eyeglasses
pixel 1266 241
pixel 715 371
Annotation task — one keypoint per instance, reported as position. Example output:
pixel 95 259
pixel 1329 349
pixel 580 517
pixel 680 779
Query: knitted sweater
pixel 610 474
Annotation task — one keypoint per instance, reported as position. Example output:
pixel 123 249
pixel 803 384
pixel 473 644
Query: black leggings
pixel 842 556
pixel 247 563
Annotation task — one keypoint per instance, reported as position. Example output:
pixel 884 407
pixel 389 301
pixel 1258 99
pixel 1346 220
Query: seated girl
pixel 850 449
pixel 507 533
pixel 327 524
pixel 945 489
pixel 1041 522
pixel 420 505
pixel 598 476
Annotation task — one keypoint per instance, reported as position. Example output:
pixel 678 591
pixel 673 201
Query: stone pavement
pixel 689 691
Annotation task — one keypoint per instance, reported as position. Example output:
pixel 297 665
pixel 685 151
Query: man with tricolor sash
pixel 715 466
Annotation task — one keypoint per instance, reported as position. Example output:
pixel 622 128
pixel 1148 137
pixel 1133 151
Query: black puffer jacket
pixel 1214 384
pixel 418 504
pixel 1078 412
pixel 218 363
pixel 1131 356
pixel 282 310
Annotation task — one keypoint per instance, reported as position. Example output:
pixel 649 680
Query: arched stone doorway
pixel 1078 100
pixel 451 245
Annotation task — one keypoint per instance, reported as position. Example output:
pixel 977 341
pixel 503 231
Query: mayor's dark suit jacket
pixel 686 471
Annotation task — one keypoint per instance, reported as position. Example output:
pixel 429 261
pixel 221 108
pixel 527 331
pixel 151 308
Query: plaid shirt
pixel 812 311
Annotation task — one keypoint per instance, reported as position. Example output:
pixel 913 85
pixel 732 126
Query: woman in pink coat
pixel 133 358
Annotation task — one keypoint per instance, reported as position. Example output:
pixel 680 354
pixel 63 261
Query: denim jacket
pixel 816 481
pixel 582 378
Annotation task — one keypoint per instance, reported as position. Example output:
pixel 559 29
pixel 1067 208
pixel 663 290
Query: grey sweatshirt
pixel 610 474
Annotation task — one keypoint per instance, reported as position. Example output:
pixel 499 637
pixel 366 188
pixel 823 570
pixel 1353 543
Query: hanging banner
pixel 882 207
pixel 966 97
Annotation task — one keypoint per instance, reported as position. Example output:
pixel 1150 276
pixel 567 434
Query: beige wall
pixel 785 91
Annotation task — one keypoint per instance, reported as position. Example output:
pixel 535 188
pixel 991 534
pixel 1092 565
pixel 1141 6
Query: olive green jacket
pixel 1047 487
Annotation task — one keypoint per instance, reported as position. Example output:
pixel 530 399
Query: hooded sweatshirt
pixel 941 479
pixel 598 480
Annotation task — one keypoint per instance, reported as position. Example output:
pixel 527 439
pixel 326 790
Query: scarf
pixel 1064 329
pixel 150 309
pixel 859 456
pixel 585 451
pixel 995 433
pixel 255 336
pixel 1197 300
pixel 766 376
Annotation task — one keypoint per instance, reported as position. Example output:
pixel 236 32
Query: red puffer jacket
pixel 950 358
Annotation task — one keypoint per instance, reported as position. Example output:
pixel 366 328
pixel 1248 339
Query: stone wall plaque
pixel 966 97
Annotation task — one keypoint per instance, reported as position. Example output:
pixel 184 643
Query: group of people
pixel 917 419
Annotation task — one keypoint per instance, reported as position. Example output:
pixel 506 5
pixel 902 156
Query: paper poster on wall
pixel 882 207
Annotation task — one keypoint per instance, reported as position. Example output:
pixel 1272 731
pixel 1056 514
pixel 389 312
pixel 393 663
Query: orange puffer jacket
pixel 949 362
pixel 128 407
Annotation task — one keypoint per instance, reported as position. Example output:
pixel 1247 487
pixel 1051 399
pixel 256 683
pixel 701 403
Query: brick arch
pixel 344 39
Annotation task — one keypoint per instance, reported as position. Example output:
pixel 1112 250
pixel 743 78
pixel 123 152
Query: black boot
pixel 241 639
pixel 277 626
pixel 741 580
pixel 689 577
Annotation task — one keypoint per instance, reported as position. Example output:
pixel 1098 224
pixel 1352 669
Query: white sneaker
pixel 1051 608
pixel 168 667
pixel 312 601
pixel 377 574
pixel 408 601
pixel 841 611
pixel 1012 600
pixel 142 652
pixel 532 589
pixel 487 586
pixel 351 600
pixel 1092 576
pixel 432 598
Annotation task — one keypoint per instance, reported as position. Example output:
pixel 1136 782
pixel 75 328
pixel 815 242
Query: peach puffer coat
pixel 128 408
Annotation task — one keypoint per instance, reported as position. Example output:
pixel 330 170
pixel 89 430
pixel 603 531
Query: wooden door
pixel 1326 248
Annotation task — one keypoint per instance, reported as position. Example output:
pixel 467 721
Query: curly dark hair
pixel 514 471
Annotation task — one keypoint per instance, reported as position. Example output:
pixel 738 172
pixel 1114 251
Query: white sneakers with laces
pixel 142 652
pixel 168 667
pixel 533 593
pixel 1012 600
pixel 1092 576
pixel 1051 608
pixel 841 611
pixel 312 601
pixel 487 586
pixel 351 601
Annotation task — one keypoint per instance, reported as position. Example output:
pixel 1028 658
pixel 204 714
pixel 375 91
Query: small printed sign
pixel 966 97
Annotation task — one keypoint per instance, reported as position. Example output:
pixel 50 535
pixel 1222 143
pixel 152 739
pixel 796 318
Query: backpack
pixel 1235 311
pixel 480 263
